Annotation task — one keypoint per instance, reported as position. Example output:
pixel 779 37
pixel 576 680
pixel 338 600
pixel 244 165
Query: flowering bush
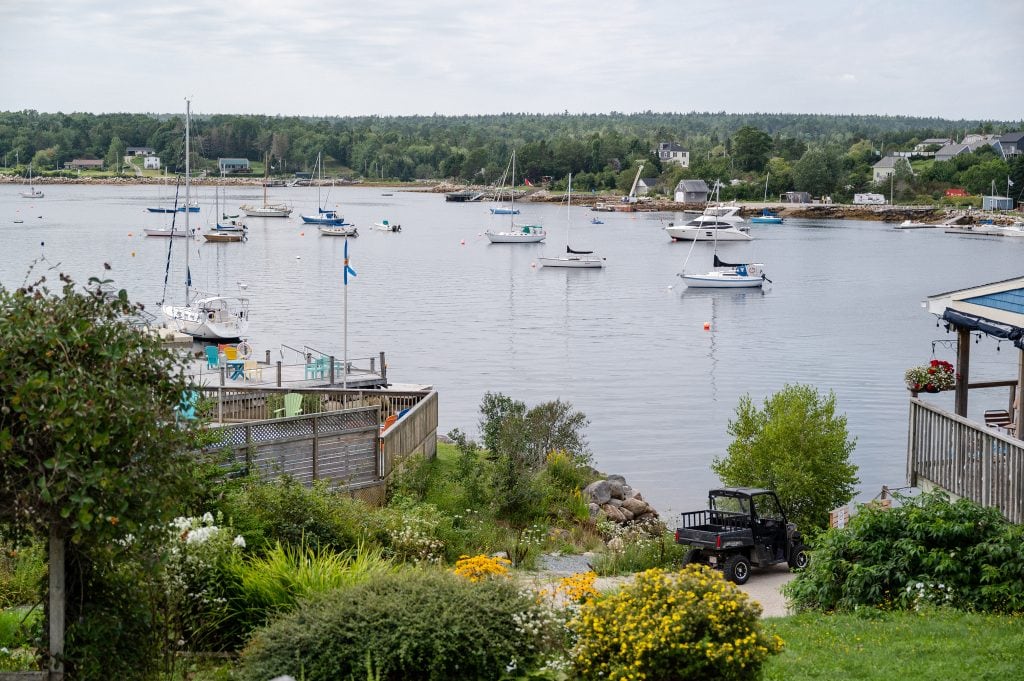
pixel 932 377
pixel 481 567
pixel 687 624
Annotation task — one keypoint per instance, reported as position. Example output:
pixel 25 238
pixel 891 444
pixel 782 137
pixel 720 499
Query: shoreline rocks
pixel 617 501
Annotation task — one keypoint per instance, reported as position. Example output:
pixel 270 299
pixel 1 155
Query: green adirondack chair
pixel 292 406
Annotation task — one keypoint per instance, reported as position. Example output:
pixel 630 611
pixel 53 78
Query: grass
pixel 915 646
pixel 17 625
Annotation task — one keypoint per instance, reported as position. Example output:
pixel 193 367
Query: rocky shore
pixel 926 214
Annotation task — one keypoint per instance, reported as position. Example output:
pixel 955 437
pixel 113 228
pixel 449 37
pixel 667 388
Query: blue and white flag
pixel 347 270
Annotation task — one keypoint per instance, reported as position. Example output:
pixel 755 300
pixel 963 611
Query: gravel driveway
pixel 763 587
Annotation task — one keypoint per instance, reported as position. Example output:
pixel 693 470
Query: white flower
pixel 239 542
pixel 208 518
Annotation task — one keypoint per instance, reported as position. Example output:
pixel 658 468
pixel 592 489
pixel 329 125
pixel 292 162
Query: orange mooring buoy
pixel 707 326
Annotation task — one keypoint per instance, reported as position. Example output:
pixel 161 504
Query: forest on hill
pixel 822 154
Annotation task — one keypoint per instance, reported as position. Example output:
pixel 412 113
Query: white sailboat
pixel 32 192
pixel 516 234
pixel 724 274
pixel 211 317
pixel 267 210
pixel 578 259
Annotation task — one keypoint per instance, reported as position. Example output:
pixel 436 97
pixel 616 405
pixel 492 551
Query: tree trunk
pixel 56 571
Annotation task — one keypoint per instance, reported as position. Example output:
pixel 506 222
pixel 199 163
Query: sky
pixel 955 60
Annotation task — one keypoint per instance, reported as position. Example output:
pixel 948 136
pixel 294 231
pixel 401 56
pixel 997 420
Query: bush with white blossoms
pixel 198 578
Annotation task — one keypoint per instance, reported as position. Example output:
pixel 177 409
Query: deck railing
pixel 414 433
pixel 965 458
pixel 238 404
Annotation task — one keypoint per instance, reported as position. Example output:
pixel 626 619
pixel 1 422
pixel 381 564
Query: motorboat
pixel 707 228
pixel 913 224
pixel 385 226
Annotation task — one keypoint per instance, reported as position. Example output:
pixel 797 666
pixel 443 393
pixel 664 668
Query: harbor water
pixel 626 344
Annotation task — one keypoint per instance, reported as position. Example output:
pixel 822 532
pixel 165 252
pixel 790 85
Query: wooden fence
pixel 966 459
pixel 239 404
pixel 413 433
pixel 340 447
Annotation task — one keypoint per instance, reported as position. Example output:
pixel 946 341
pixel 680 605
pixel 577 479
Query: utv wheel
pixel 799 559
pixel 737 569
pixel 691 557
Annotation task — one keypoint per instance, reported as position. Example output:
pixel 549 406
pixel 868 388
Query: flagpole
pixel 344 326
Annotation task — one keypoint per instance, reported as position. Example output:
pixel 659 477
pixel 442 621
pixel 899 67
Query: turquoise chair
pixel 212 357
pixel 292 406
pixel 186 409
pixel 317 368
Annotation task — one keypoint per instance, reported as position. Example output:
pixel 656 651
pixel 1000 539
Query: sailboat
pixel 267 210
pixel 32 192
pixel 516 234
pixel 171 231
pixel 211 316
pixel 767 216
pixel 501 208
pixel 231 230
pixel 324 216
pixel 572 258
pixel 725 274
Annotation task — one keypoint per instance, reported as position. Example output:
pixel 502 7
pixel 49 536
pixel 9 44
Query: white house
pixel 670 152
pixel 886 167
pixel 151 163
pixel 139 151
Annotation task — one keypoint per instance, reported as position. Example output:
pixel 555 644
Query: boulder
pixel 616 487
pixel 617 503
pixel 595 510
pixel 613 513
pixel 626 513
pixel 635 506
pixel 599 492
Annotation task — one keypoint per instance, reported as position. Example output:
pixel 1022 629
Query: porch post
pixel 1018 418
pixel 963 367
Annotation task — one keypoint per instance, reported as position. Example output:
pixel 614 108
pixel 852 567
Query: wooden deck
pixel 965 458
pixel 363 372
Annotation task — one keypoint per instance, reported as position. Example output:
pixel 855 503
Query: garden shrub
pixel 927 550
pixel 418 624
pixel 22 573
pixel 638 547
pixel 684 625
pixel 481 567
pixel 283 510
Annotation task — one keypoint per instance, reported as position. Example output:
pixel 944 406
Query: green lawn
pixel 935 644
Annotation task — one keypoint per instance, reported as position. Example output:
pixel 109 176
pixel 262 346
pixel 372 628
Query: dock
pixel 327 373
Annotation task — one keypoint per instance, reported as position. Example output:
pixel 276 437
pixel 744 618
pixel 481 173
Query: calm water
pixel 626 345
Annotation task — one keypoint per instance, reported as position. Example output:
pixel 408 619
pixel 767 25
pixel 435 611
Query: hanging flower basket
pixel 933 377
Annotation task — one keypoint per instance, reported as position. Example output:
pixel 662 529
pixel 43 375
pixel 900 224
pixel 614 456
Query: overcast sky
pixel 397 57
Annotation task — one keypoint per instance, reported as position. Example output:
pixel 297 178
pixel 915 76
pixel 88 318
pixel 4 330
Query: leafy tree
pixel 980 178
pixel 114 153
pixel 816 172
pixel 796 445
pixel 89 449
pixel 751 148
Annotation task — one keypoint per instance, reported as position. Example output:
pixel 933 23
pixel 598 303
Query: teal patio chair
pixel 186 409
pixel 292 406
pixel 212 357
pixel 317 368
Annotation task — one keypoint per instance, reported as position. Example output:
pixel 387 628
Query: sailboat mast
pixel 512 195
pixel 568 213
pixel 188 184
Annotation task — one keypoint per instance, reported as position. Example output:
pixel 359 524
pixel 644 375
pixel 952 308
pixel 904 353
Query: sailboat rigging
pixel 572 258
pixel 32 192
pixel 211 316
pixel 267 210
pixel 516 234
pixel 724 274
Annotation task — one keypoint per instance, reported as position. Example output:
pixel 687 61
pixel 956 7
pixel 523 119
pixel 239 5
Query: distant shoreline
pixel 830 211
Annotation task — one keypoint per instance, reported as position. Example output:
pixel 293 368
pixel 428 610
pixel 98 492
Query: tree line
pixel 761 152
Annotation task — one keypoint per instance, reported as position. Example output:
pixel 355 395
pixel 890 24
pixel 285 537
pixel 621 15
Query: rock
pixel 616 488
pixel 627 491
pixel 617 503
pixel 626 513
pixel 599 492
pixel 635 506
pixel 594 510
pixel 613 513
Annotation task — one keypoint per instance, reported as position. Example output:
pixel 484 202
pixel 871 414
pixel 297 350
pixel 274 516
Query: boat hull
pixel 31 195
pixel 178 233
pixel 577 262
pixel 224 237
pixel 762 220
pixel 730 233
pixel 206 324
pixel 721 280
pixel 516 237
pixel 339 231
pixel 266 211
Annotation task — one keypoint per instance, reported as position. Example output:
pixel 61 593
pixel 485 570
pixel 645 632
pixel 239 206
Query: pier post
pixel 383 368
pixel 331 359
pixel 278 373
pixel 268 358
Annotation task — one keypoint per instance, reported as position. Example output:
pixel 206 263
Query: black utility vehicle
pixel 743 526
